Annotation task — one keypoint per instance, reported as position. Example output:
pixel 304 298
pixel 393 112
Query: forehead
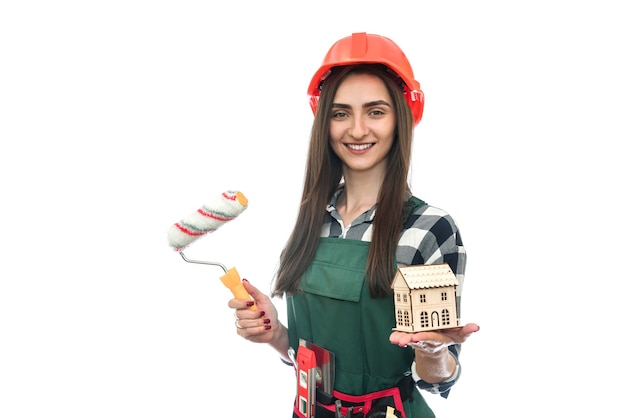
pixel 362 87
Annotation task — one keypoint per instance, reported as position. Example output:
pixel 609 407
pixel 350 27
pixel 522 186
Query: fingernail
pixel 244 280
pixel 268 327
pixel 266 321
pixel 250 303
pixel 261 314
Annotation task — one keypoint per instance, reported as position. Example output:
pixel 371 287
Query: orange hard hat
pixel 364 48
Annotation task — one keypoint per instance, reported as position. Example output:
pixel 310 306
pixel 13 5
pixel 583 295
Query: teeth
pixel 359 147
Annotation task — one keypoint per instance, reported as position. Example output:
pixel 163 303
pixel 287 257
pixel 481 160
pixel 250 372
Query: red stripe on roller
pixel 189 232
pixel 214 216
pixel 229 196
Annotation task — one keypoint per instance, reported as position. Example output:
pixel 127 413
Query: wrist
pixel 434 367
pixel 280 340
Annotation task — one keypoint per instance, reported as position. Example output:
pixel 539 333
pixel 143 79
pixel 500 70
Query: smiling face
pixel 362 124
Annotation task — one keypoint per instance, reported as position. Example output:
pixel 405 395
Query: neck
pixel 360 194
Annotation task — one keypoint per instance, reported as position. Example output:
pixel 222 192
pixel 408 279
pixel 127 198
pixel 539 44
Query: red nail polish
pixel 268 327
pixel 266 321
pixel 244 280
pixel 250 303
pixel 261 314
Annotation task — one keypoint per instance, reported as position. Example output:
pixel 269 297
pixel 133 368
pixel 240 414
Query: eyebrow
pixel 368 104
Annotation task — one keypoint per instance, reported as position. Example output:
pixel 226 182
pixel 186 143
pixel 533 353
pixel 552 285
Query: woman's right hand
pixel 258 325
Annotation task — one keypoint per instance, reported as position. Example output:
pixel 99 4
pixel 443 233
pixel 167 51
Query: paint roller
pixel 207 219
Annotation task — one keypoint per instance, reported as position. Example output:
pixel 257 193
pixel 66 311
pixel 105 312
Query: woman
pixel 358 222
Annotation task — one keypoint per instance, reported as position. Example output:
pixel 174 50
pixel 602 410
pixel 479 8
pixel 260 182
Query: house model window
pixel 425 298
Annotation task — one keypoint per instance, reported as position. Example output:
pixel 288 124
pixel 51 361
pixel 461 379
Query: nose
pixel 359 128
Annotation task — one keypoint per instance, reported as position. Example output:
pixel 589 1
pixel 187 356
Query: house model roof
pixel 428 276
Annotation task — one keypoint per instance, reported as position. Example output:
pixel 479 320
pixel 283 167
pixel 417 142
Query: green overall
pixel 335 311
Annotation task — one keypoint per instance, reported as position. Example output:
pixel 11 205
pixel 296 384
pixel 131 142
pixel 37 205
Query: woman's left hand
pixel 433 341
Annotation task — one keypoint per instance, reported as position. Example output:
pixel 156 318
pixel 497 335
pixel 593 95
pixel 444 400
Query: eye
pixel 377 112
pixel 339 114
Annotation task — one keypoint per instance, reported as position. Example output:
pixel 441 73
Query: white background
pixel 119 118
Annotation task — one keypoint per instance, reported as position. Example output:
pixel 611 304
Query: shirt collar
pixel 331 208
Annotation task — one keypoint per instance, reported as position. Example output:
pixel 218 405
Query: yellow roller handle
pixel 232 281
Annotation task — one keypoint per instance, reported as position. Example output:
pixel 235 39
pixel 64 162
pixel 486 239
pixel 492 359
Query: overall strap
pixel 410 206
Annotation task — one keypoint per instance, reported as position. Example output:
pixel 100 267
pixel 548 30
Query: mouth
pixel 359 147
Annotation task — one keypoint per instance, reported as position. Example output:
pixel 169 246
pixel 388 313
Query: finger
pixel 240 304
pixel 459 335
pixel 253 332
pixel 470 328
pixel 255 293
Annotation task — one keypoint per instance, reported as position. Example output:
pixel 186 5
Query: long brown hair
pixel 323 176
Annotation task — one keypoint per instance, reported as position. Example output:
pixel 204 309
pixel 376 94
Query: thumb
pixel 255 293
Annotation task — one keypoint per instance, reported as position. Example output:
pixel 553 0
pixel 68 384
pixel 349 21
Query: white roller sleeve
pixel 222 209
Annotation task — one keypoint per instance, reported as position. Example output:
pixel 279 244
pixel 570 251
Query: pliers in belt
pixel 338 410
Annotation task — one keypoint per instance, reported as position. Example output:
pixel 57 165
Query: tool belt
pixel 382 404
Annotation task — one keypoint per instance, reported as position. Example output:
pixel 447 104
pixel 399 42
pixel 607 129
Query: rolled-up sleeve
pixel 444 387
pixel 431 236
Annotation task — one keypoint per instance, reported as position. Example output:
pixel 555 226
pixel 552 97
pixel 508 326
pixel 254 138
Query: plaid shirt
pixel 429 236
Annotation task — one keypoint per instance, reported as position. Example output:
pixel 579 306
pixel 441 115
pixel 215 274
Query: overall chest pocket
pixel 331 303
pixel 327 280
pixel 331 296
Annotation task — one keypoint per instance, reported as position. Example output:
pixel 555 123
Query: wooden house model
pixel 425 298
